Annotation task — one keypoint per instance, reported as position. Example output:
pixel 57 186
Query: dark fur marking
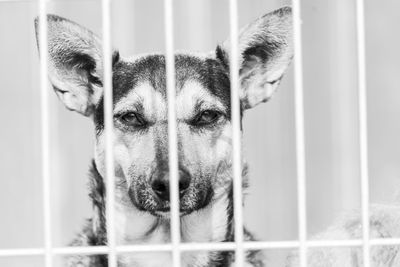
pixel 126 76
pixel 222 56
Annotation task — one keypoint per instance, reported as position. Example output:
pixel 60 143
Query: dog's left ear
pixel 266 49
pixel 75 64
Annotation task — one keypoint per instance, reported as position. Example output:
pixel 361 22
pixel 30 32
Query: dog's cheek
pixel 130 155
pixel 221 177
pixel 122 161
pixel 222 148
pixel 217 163
pixel 203 151
pixel 140 154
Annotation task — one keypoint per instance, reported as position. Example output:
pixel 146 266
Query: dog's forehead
pixel 191 73
pixel 145 99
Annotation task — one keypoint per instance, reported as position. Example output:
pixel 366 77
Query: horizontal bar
pixel 384 242
pixel 223 246
pixel 144 248
pixel 334 243
pixel 18 1
pixel 256 245
pixel 22 252
pixel 95 250
pixel 47 1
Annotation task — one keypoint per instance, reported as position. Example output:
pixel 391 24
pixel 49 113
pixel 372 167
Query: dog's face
pixel 140 107
pixel 141 135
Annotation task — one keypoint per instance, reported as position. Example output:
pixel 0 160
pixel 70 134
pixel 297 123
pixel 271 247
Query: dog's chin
pixel 166 214
pixel 148 203
pixel 163 211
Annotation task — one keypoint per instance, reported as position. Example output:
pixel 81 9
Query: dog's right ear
pixel 265 52
pixel 75 64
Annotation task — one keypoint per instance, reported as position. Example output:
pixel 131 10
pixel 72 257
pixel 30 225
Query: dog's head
pixel 140 105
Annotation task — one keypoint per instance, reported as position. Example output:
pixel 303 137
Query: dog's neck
pixel 210 224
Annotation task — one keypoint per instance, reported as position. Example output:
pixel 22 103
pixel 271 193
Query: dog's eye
pixel 207 117
pixel 132 119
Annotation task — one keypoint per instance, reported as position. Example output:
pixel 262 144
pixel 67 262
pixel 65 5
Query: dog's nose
pixel 160 185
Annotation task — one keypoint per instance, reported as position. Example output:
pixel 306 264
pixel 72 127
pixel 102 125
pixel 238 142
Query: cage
pixel 325 145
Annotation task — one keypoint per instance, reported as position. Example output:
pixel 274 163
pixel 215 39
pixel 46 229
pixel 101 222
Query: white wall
pixel 330 100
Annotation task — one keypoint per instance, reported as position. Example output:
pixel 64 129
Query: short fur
pixel 140 144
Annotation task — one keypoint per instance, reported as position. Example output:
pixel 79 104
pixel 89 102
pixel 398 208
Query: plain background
pixel 330 84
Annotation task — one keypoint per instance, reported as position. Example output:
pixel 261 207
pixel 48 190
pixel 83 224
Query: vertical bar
pixel 108 125
pixel 45 128
pixel 300 134
pixel 236 133
pixel 342 105
pixel 172 133
pixel 363 128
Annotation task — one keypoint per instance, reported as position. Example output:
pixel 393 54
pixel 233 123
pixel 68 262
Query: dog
pixel 384 223
pixel 141 138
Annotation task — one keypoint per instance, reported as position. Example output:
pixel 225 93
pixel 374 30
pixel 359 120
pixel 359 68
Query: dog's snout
pixel 184 182
pixel 161 188
pixel 160 184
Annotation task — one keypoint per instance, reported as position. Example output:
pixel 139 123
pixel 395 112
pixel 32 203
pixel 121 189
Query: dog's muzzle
pixel 161 185
pixel 153 195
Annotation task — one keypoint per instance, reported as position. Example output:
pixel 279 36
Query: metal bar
pixel 363 129
pixel 22 252
pixel 108 125
pixel 35 1
pixel 144 248
pixel 172 133
pixel 16 1
pixel 236 133
pixel 384 242
pixel 94 250
pixel 45 133
pixel 223 246
pixel 300 134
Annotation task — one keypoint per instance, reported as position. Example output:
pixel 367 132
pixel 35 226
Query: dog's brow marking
pixel 144 96
pixel 189 97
